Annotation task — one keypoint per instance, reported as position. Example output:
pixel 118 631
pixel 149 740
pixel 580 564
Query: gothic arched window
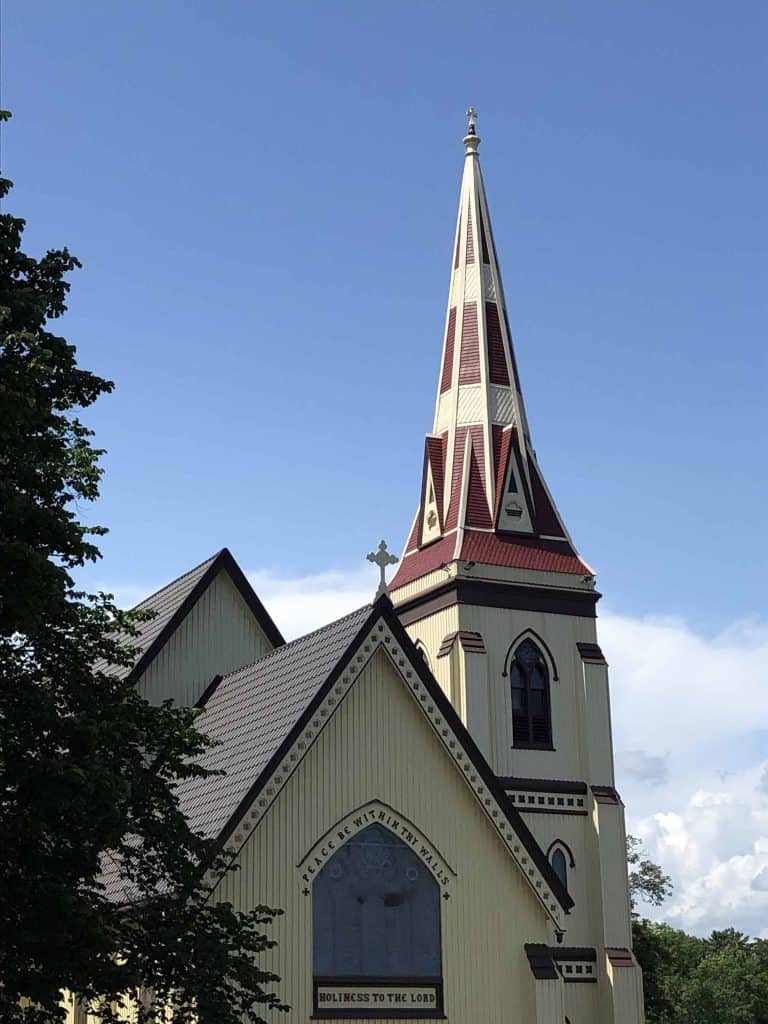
pixel 376 912
pixel 531 721
pixel 560 867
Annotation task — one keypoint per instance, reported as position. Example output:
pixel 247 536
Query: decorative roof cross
pixel 472 115
pixel 382 558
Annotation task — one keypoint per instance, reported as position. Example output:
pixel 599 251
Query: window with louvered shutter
pixel 529 679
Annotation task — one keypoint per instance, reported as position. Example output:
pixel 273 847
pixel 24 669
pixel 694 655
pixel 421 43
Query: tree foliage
pixel 86 765
pixel 646 880
pixel 689 980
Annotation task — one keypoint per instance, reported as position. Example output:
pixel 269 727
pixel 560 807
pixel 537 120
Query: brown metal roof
pixel 256 711
pixel 252 711
pixel 173 602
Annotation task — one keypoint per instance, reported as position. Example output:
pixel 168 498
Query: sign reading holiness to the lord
pixel 388 999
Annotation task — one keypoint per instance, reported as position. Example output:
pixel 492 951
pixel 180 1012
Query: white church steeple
pixel 483 496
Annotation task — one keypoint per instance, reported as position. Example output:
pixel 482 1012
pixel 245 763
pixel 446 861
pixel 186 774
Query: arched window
pixel 376 912
pixel 560 867
pixel 561 859
pixel 531 721
pixel 423 652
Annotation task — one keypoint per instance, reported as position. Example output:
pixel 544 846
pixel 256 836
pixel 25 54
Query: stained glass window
pixel 376 911
pixel 529 678
pixel 560 867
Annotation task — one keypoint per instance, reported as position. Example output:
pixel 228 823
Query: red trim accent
pixel 522 479
pixel 546 517
pixel 497 363
pixel 501 463
pixel 478 513
pixel 415 537
pixel 450 333
pixel 469 358
pixel 422 562
pixel 452 516
pixel 435 461
pixel 470 238
pixel 458 244
pixel 521 553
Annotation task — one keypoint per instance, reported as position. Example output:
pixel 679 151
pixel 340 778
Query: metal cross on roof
pixel 382 558
pixel 472 115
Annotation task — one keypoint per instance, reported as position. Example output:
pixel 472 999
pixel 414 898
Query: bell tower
pixel 503 608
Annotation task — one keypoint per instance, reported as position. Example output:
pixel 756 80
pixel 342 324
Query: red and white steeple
pixel 483 497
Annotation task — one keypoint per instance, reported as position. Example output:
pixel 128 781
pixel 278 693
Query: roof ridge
pixel 211 558
pixel 292 643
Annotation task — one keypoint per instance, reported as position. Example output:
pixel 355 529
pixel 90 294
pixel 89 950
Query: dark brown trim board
pixel 542 785
pixel 541 962
pixel 489 594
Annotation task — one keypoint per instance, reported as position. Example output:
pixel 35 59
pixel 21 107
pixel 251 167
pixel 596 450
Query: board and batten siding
pixel 379 746
pixel 218 635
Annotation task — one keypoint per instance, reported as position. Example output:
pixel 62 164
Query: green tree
pixel 646 879
pixel 727 986
pixel 86 765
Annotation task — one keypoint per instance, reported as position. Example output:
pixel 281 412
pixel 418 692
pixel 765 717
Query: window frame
pixel 517 667
pixel 371 981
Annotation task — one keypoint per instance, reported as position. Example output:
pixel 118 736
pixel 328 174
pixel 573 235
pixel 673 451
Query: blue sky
pixel 263 197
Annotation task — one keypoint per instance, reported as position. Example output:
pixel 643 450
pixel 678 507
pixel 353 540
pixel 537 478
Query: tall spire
pixel 483 497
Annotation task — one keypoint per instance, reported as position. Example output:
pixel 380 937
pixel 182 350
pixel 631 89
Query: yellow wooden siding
pixel 379 746
pixel 218 635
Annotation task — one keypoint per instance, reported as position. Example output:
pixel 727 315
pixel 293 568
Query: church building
pixel 426 786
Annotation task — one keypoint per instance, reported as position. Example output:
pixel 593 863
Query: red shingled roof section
pixel 469 358
pixel 521 553
pixel 447 374
pixel 497 363
pixel 435 457
pixel 421 562
pixel 478 513
pixel 501 445
pixel 413 540
pixel 452 516
pixel 546 517
pixel 470 237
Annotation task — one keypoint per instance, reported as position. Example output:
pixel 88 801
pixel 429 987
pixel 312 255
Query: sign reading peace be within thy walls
pixel 354 822
pixel 387 999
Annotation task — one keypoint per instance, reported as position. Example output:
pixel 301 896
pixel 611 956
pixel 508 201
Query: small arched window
pixel 376 912
pixel 531 720
pixel 423 652
pixel 560 867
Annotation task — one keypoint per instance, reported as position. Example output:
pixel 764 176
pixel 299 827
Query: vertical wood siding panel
pixel 218 635
pixel 379 746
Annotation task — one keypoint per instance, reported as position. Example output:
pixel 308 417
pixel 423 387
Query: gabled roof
pixel 251 711
pixel 173 602
pixel 259 712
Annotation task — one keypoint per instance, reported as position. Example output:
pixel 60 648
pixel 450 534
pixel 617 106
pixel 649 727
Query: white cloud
pixel 699 706
pixel 673 690
pixel 636 764
pixel 303 603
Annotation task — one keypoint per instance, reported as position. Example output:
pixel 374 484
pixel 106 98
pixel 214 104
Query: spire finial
pixel 472 115
pixel 382 558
